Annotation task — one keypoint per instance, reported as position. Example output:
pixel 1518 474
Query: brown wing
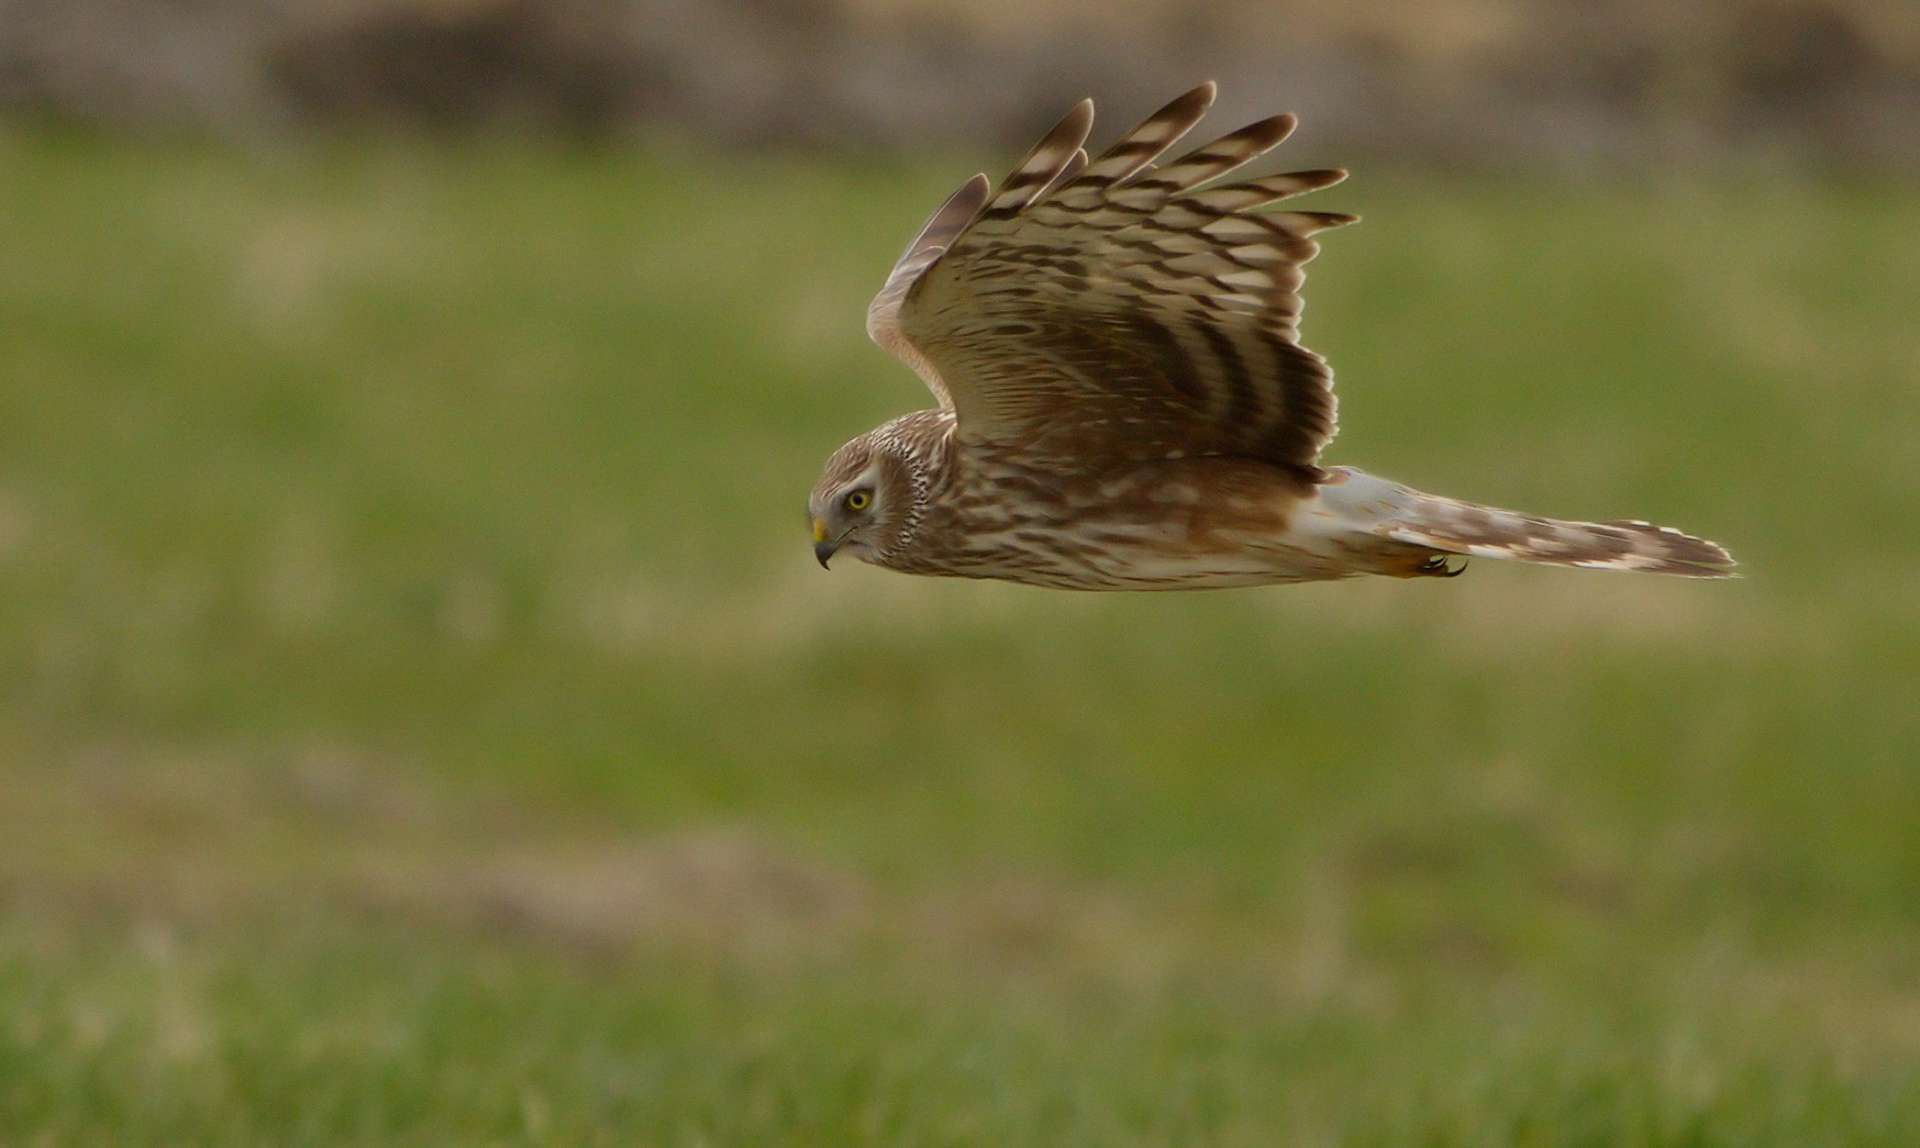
pixel 1108 307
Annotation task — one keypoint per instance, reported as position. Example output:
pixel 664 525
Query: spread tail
pixel 1389 510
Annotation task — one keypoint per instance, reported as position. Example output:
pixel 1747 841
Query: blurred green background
pixel 422 720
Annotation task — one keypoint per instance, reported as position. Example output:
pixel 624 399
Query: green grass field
pixel 422 720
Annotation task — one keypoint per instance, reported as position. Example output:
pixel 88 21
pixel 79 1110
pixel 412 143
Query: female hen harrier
pixel 1124 400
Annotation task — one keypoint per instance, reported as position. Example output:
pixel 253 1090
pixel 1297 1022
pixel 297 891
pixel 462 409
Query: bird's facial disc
pixel 842 516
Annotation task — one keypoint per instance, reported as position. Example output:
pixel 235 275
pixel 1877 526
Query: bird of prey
pixel 1124 402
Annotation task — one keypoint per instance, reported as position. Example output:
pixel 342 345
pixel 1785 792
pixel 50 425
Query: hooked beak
pixel 823 547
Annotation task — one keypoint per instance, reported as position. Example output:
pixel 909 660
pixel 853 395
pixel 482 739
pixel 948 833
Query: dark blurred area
pixel 1827 84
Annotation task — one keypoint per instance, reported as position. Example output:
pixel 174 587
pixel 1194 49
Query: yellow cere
pixel 819 530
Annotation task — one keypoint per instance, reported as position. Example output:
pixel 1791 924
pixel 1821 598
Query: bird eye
pixel 859 500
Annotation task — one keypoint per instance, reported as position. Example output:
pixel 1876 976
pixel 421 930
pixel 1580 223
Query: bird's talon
pixel 1439 566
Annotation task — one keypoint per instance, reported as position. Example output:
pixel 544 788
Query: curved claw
pixel 1439 566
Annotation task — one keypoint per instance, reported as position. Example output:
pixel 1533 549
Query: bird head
pixel 862 503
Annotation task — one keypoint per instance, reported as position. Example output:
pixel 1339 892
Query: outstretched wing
pixel 1106 307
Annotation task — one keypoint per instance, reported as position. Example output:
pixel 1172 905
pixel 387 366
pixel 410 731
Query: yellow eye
pixel 859 500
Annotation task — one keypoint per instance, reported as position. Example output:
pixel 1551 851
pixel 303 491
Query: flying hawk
pixel 1124 402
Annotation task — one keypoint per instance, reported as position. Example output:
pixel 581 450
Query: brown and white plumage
pixel 1124 400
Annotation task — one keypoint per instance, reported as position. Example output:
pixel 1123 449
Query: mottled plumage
pixel 1124 400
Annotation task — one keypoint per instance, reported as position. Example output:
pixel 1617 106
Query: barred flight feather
pixel 1137 150
pixel 1456 527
